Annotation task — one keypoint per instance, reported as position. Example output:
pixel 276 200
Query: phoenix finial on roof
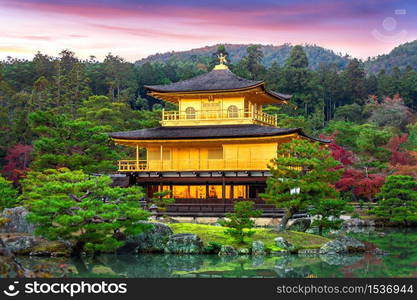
pixel 222 58
pixel 222 61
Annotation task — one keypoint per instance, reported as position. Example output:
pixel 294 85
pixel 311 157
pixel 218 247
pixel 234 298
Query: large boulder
pixel 152 240
pixel 258 248
pixel 26 244
pixel 184 243
pixel 227 250
pixel 301 224
pixel 343 244
pixel 284 244
pixel 15 221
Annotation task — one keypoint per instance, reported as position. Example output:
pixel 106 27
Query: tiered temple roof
pixel 216 81
pixel 207 132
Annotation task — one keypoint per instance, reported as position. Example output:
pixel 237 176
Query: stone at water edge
pixel 184 243
pixel 308 251
pixel 227 250
pixel 301 225
pixel 243 251
pixel 26 244
pixel 343 244
pixel 16 221
pixel 284 244
pixel 356 222
pixel 152 240
pixel 258 248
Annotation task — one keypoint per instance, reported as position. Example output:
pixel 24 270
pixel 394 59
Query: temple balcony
pixel 217 117
pixel 191 165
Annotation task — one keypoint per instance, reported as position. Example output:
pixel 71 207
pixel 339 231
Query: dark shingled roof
pixel 207 132
pixel 279 95
pixel 214 80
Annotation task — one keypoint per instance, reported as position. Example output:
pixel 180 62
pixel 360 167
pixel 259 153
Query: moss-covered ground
pixel 210 233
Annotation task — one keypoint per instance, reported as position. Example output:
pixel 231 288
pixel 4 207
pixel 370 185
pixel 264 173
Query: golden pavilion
pixel 214 149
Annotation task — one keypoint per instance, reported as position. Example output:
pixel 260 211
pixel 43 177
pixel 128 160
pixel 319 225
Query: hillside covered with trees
pixel 315 54
pixel 401 57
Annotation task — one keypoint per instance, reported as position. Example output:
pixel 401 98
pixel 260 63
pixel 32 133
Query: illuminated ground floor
pixel 206 194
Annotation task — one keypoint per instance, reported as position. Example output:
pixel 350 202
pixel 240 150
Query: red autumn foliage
pixel 361 185
pixel 409 169
pixel 338 152
pixel 399 156
pixel 17 162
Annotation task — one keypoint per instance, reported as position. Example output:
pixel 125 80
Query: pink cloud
pixel 149 32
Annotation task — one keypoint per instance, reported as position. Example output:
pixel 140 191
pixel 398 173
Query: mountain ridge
pixel 401 56
pixel 315 54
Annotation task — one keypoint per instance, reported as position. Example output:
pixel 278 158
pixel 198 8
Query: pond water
pixel 400 262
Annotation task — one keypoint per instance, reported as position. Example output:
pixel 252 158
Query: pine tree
pixel 240 222
pixel 302 176
pixel 81 208
pixel 75 144
pixel 398 199
pixel 8 194
pixel 327 213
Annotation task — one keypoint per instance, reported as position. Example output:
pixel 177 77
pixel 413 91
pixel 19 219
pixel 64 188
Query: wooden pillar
pixel 224 194
pixel 161 158
pixel 207 190
pixel 132 180
pixel 232 192
pixel 137 157
pixel 224 189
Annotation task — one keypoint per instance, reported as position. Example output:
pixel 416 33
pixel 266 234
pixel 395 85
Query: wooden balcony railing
pixel 191 165
pixel 221 115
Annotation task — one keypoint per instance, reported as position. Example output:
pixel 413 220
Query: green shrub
pixel 8 194
pixel 240 220
pixel 213 248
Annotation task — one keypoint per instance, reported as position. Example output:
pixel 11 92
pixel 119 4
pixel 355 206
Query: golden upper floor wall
pixel 219 110
pixel 221 157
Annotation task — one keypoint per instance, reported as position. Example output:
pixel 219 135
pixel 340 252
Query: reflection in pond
pixel 400 262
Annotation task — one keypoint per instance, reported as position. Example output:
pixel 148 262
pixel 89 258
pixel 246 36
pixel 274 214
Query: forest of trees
pixel 56 111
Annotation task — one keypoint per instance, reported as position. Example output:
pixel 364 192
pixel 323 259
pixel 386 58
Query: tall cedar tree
pixel 398 200
pixel 296 77
pixel 302 175
pixel 74 206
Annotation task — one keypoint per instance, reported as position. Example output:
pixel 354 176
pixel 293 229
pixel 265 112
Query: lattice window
pixel 190 112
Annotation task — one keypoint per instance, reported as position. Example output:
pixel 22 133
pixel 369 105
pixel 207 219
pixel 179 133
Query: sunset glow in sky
pixel 135 29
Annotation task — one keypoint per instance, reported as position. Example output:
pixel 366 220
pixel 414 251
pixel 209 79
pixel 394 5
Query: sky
pixel 135 29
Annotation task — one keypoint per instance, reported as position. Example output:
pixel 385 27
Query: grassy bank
pixel 210 233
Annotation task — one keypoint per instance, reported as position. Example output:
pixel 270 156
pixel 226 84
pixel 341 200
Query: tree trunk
pixel 283 223
pixel 78 248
